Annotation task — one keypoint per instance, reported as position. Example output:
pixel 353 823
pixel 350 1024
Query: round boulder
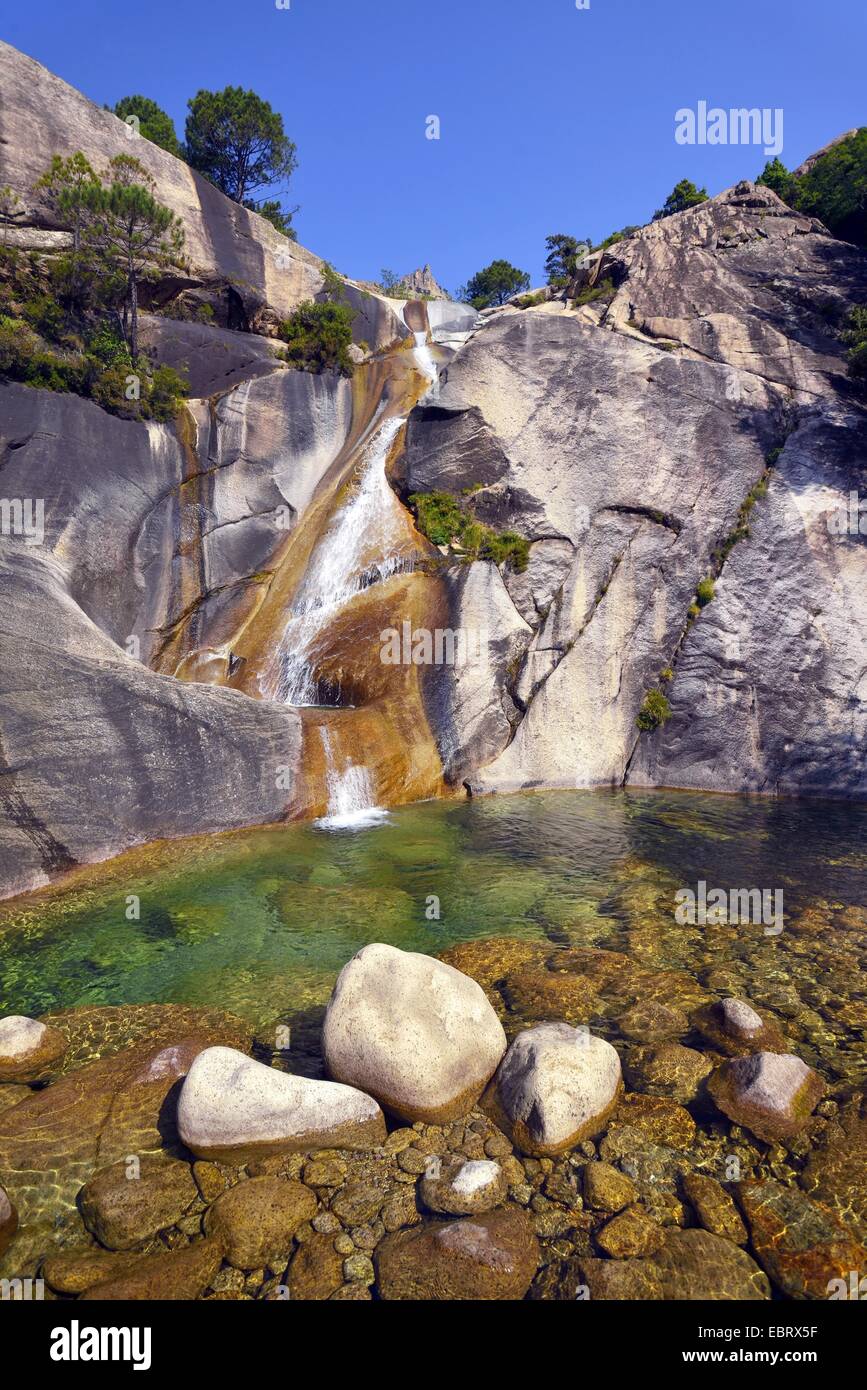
pixel 233 1109
pixel 413 1032
pixel 555 1087
pixel 479 1258
pixel 29 1050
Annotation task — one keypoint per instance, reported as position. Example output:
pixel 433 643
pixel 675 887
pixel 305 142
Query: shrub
pixel 605 289
pixel 705 592
pixel 166 390
pixel 318 337
pixel 855 335
pixel 443 520
pixel 439 516
pixel 655 711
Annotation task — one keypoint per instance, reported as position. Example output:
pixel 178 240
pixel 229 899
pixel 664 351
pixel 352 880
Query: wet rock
pixel 29 1051
pixel 538 994
pixel 316 1269
pixel 555 1086
pixel 413 1032
pixel 125 1203
pixel 175 1275
pixel 490 959
pixel 607 1189
pixel 74 1273
pixel 668 1069
pixel 479 1257
pixel 458 1187
pixel 690 1265
pixel 358 1268
pixel 209 1180
pixel 652 1022
pixel 8 1220
pixel 324 1172
pixel 256 1220
pixel 651 1166
pixel 714 1207
pixel 358 1202
pixel 800 1243
pixel 400 1210
pixel 657 1118
pixel 771 1094
pixel 735 1028
pixel 97 1114
pixel 836 1173
pixel 630 1235
pixel 235 1109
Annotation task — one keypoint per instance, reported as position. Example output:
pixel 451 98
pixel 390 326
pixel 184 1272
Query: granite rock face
pixel 623 440
pixel 235 260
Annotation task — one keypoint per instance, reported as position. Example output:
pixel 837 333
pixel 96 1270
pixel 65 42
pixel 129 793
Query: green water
pixel 261 922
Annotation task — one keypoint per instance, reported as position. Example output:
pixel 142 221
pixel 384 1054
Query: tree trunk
pixel 133 300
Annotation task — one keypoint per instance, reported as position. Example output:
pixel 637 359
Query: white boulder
pixel 556 1086
pixel 413 1032
pixel 233 1109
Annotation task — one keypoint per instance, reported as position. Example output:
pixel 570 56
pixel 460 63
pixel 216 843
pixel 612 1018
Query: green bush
pixel 443 520
pixel 655 711
pixel 855 336
pixel 605 289
pixel 705 592
pixel 318 337
pixel 166 391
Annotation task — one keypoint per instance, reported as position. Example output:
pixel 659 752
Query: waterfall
pixel 362 545
pixel 426 364
pixel 350 793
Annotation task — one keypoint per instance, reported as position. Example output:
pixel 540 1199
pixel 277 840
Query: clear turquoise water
pixel 260 923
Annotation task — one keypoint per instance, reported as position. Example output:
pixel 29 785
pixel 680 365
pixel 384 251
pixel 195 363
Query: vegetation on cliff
pixel 833 188
pixel 447 521
pixel 494 285
pixel 71 324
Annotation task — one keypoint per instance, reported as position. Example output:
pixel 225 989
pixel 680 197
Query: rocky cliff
pixel 690 420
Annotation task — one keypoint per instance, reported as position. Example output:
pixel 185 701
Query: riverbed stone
pixel 772 1094
pixel 804 1248
pixel 630 1234
pixel 657 1118
pixel 126 1202
pixel 556 1086
pixel 413 1032
pixel 170 1276
pixel 8 1220
pixel 835 1173
pixel 78 1271
pixel 734 1027
pixel 234 1109
pixel 462 1187
pixel 315 1270
pixel 257 1220
pixel 536 994
pixel 667 1069
pixel 649 1022
pixel 713 1206
pixel 691 1265
pixel 606 1188
pixel 29 1050
pixel 488 960
pixel 489 1257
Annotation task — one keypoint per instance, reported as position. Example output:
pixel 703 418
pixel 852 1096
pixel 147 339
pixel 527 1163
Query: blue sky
pixel 551 118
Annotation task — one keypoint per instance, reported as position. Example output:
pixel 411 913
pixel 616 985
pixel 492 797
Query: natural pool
pixel 259 923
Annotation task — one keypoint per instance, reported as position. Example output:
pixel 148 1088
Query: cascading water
pixel 362 545
pixel 350 793
pixel 426 364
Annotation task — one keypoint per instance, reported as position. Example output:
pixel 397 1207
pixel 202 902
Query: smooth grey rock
pixel 459 1187
pixel 28 1048
pixel 232 1108
pixel 413 1032
pixel 737 1018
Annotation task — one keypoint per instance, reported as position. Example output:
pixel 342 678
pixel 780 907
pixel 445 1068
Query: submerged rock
pixel 630 1234
pixel 8 1220
pixel 735 1028
pixel 770 1093
pixel 234 1109
pixel 28 1049
pixel 122 1205
pixel 607 1189
pixel 171 1276
pixel 555 1086
pixel 668 1069
pixel 800 1243
pixel 836 1173
pixel 690 1265
pixel 462 1187
pixel 481 1257
pixel 73 1274
pixel 256 1220
pixel 714 1207
pixel 413 1032
pixel 316 1269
